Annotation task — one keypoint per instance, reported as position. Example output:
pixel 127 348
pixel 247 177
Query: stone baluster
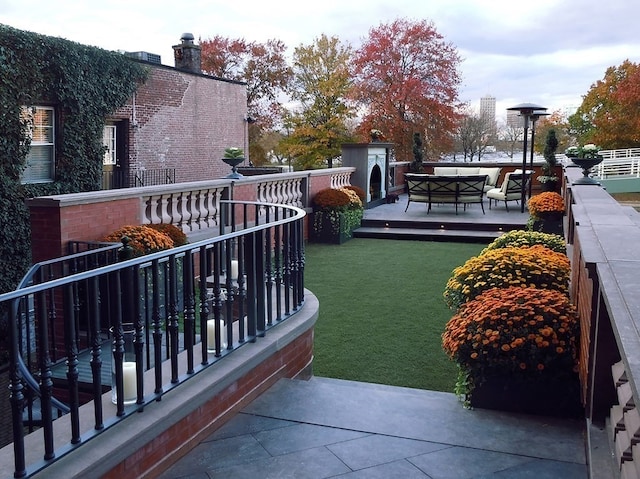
pixel 194 213
pixel 165 216
pixel 279 193
pixel 177 206
pixel 151 210
pixel 299 195
pixel 203 211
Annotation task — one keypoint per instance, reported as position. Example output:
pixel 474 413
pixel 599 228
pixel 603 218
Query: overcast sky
pixel 547 52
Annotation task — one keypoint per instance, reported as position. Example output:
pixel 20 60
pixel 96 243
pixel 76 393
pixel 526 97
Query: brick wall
pixel 54 227
pixel 582 287
pixel 184 121
pixel 180 438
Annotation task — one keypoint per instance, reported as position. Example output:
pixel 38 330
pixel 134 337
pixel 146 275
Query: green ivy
pixel 85 84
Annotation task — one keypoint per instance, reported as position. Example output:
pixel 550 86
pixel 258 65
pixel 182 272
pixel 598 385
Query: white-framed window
pixel 41 157
pixel 109 141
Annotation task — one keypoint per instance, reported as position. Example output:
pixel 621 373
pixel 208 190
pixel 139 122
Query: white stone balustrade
pixel 191 209
pixel 340 179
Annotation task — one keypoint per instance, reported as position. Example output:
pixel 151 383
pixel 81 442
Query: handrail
pixel 620 153
pixel 170 297
pixel 50 267
pixel 616 168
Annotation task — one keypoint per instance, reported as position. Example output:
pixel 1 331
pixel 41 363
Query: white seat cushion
pixel 492 174
pixel 445 170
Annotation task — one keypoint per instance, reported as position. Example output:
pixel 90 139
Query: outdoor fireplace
pixel 371 161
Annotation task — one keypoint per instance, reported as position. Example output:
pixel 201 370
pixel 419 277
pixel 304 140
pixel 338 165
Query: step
pixel 426 234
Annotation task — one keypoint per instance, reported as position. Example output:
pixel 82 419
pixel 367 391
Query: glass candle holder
pixel 129 383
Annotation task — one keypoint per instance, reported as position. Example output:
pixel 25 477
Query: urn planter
pixel 233 163
pixel 586 164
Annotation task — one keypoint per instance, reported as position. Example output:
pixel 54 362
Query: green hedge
pixel 85 84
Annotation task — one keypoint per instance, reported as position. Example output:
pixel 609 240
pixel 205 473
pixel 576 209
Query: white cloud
pixel 549 51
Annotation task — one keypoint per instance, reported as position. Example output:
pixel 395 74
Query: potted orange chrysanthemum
pixel 336 213
pixel 546 211
pixel 516 350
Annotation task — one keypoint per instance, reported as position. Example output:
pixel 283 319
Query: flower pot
pixel 586 164
pixel 549 186
pixel 329 228
pixel 549 222
pixel 233 163
pixel 547 395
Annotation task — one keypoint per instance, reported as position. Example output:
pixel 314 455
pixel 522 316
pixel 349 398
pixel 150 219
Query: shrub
pixel 521 238
pixel 535 266
pixel 143 239
pixel 512 330
pixel 172 231
pixel 331 198
pixel 354 200
pixel 546 202
pixel 359 191
pixel 331 204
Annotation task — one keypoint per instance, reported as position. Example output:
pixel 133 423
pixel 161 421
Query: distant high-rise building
pixel 488 107
pixel 514 119
pixel 488 110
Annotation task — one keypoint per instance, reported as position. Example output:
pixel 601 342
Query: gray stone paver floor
pixel 325 428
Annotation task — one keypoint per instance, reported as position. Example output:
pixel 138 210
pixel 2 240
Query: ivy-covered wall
pixel 84 84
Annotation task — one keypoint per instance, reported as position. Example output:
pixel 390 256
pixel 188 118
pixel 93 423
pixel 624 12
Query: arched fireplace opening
pixel 375 183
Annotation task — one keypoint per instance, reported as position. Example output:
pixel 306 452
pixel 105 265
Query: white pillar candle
pixel 211 335
pixel 234 269
pixel 129 380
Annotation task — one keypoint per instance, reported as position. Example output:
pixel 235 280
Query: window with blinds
pixel 40 160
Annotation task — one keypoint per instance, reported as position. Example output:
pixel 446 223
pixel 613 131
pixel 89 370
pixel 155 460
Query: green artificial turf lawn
pixel 382 312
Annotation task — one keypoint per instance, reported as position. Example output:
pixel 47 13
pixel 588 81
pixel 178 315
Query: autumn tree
pixel 609 115
pixel 318 122
pixel 558 122
pixel 406 78
pixel 264 68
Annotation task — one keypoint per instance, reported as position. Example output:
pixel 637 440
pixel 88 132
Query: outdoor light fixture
pixel 526 110
pixel 535 116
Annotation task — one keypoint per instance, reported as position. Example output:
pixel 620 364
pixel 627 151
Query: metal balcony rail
pixel 621 153
pixel 176 312
pixel 617 164
pixel 93 256
pixel 618 168
pixel 116 179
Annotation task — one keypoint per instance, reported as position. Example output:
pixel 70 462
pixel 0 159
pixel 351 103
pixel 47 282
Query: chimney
pixel 187 54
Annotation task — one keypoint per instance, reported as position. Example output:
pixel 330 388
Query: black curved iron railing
pixel 67 337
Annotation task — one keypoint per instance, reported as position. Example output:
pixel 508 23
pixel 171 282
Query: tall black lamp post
pixel 526 110
pixel 535 116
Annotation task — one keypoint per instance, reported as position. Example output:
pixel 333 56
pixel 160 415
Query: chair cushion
pixel 496 194
pixel 445 170
pixel 492 173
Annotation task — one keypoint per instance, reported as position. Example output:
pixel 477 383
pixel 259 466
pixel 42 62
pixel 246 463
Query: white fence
pixel 618 164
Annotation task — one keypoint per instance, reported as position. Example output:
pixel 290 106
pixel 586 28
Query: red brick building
pixel 177 124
